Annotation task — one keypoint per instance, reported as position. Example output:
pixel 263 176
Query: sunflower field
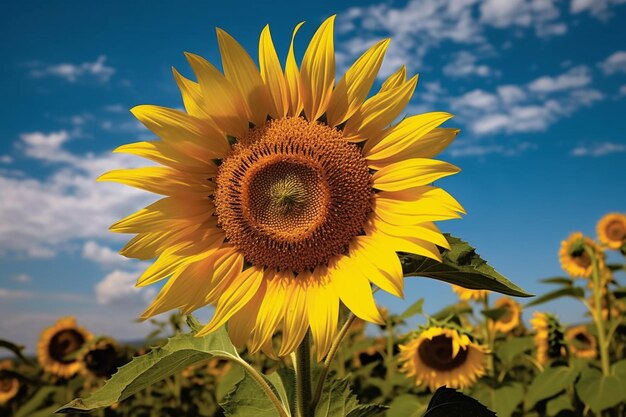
pixel 287 200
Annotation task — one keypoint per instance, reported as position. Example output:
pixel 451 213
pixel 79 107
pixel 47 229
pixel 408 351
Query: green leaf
pixel 495 313
pixel 284 382
pixel 17 350
pixel 619 292
pixel 178 353
pixel 461 265
pixel 551 381
pixel 415 308
pixel 511 348
pixel 457 309
pixel 406 405
pixel 503 400
pixel 558 404
pixel 193 323
pixel 558 280
pixel 248 399
pixel 598 391
pixel 576 292
pixel 448 402
pixel 338 401
pixel 42 399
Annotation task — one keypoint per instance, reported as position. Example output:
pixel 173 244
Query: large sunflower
pixel 510 319
pixel 286 193
pixel 549 337
pixel 582 343
pixel 443 356
pixel 9 386
pixel 575 260
pixel 466 294
pixel 58 347
pixel 612 230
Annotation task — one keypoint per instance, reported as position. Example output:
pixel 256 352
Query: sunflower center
pixel 437 354
pixel 65 343
pixel 101 361
pixel 615 230
pixel 6 384
pixel 507 316
pixel 582 341
pixel 292 194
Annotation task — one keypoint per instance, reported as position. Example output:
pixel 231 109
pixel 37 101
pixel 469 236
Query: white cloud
pixel 478 150
pixel 103 255
pixel 45 146
pixel 599 149
pixel 597 8
pixel 23 278
pixel 616 62
pixel 540 14
pixel 97 70
pixel 6 159
pixel 576 77
pixel 118 288
pixel 622 90
pixel 115 108
pixel 464 65
pixel 13 295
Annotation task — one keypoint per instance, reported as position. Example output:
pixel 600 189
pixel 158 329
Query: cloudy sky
pixel 537 86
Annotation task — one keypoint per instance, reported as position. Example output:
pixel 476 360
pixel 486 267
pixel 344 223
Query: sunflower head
pixel 100 358
pixel 510 319
pixel 58 347
pixel 466 294
pixel 549 337
pixel 286 192
pixel 581 343
pixel 9 386
pixel 612 230
pixel 442 355
pixel 574 258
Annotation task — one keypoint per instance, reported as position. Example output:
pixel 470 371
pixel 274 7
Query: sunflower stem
pixel 597 294
pixel 303 378
pixel 489 337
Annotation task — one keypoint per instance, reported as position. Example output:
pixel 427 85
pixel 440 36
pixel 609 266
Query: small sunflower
pixel 549 337
pixel 58 343
pixel 286 193
pixel 575 260
pixel 466 294
pixel 100 358
pixel 443 356
pixel 9 387
pixel 511 319
pixel 612 230
pixel 582 344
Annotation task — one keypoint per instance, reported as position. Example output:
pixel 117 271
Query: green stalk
pixel 597 294
pixel 489 337
pixel 303 378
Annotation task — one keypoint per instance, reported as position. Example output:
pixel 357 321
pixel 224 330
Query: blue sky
pixel 538 88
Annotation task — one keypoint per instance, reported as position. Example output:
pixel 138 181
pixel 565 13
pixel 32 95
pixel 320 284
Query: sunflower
pixel 9 386
pixel 510 319
pixel 612 230
pixel 443 356
pixel 582 344
pixel 466 294
pixel 100 358
pixel 57 346
pixel 286 193
pixel 549 337
pixel 575 260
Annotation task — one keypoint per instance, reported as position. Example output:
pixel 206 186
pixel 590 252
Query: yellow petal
pixel 428 146
pixel 272 310
pixel 176 127
pixel 355 85
pixel 159 180
pixel 223 102
pixel 242 290
pixel 273 76
pixel 149 245
pixel 182 158
pixel 403 214
pixel 379 264
pixel 379 111
pixel 425 231
pixel 241 324
pixel 395 80
pixel 407 244
pixel 296 323
pixel 404 135
pixel 323 311
pixel 292 78
pixel 411 173
pixel 191 95
pixel 158 215
pixel 354 289
pixel 318 71
pixel 420 197
pixel 240 70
